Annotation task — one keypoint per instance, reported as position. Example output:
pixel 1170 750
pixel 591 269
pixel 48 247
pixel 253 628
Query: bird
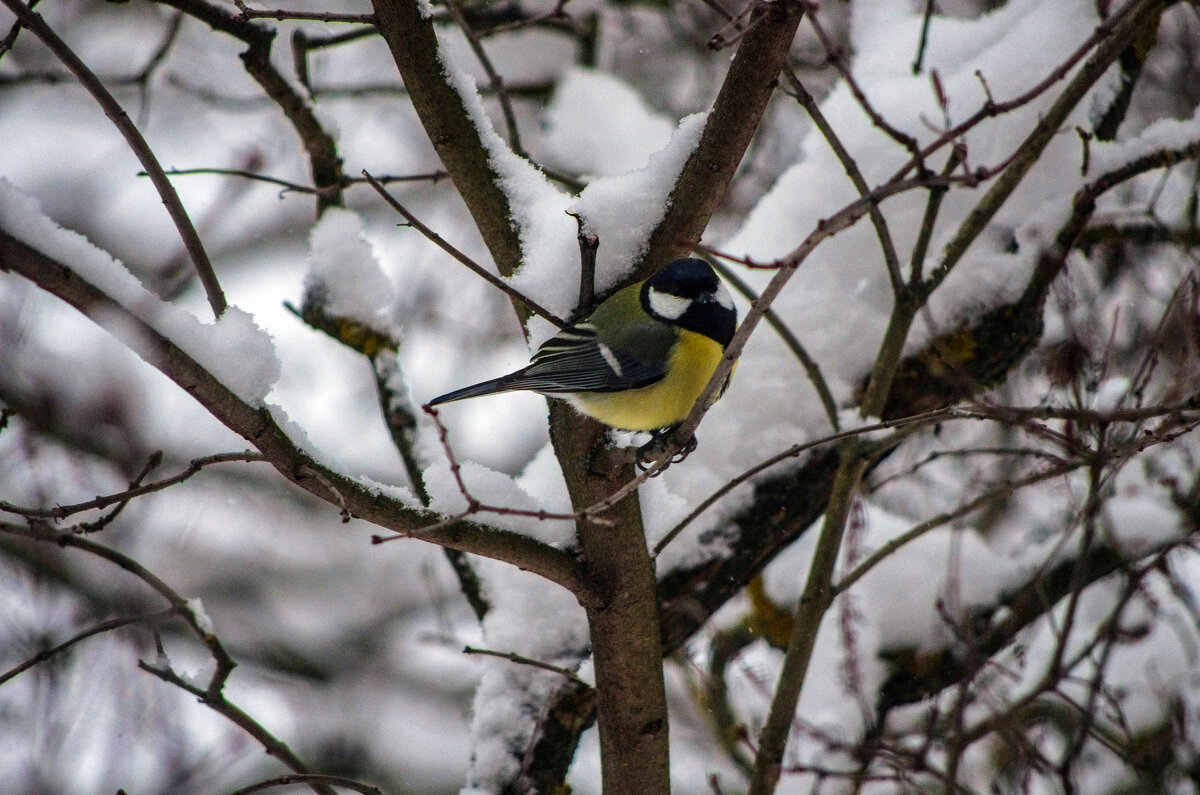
pixel 640 360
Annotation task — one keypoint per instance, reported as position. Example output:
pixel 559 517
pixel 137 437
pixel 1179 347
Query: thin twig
pixel 311 42
pixel 10 38
pixel 522 660
pixel 310 778
pixel 1081 415
pixel 255 424
pixel 218 703
pixel 814 602
pixel 303 44
pixel 886 243
pixel 786 268
pixel 471 264
pixel 60 512
pixel 554 15
pixel 967 452
pixel 157 58
pixel 104 626
pixel 40 531
pixel 1109 40
pixel 589 242
pixel 494 79
pixel 811 368
pixel 282 14
pixel 324 162
pixel 211 694
pixel 794 452
pixel 474 505
pixel 295 187
pixel 108 518
pixel 1000 492
pixel 837 59
pixel 335 495
pixel 933 206
pixel 920 59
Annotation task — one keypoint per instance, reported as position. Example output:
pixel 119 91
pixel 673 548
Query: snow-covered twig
pixel 259 427
pixel 133 137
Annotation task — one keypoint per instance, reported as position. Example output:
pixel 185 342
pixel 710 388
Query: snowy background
pixel 352 653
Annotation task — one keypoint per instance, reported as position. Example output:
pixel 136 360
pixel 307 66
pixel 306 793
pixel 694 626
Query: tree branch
pixel 410 35
pixel 623 622
pixel 730 126
pixel 258 427
pixel 324 162
pixel 1133 21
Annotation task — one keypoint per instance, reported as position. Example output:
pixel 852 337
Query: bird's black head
pixel 688 294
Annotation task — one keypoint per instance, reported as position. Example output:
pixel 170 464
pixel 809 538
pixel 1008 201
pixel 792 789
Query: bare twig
pixel 218 703
pixel 813 604
pixel 522 660
pixel 494 79
pixel 794 452
pixel 471 264
pixel 933 206
pixel 310 778
pixel 999 493
pixel 588 244
pixel 837 59
pixel 728 130
pixel 474 505
pixel 451 127
pixel 555 17
pixel 60 512
pixel 890 259
pixel 281 14
pixel 786 267
pixel 40 531
pixel 211 694
pixel 324 162
pixel 920 58
pixel 1109 40
pixel 108 518
pixel 295 187
pixel 811 368
pixel 10 38
pixel 992 108
pixel 104 626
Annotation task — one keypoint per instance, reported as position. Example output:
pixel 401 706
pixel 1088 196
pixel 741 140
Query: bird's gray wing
pixel 577 360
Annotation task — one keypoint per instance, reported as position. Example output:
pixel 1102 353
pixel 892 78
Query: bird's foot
pixel 653 451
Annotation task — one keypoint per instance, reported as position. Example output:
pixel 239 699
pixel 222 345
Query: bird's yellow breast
pixel 692 362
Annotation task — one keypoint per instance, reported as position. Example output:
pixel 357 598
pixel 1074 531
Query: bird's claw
pixel 652 452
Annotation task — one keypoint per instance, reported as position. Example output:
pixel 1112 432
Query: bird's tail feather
pixel 501 384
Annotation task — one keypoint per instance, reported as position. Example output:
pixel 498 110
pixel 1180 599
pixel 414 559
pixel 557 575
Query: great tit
pixel 641 359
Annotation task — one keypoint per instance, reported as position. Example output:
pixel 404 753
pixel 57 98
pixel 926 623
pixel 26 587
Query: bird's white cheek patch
pixel 723 297
pixel 667 306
